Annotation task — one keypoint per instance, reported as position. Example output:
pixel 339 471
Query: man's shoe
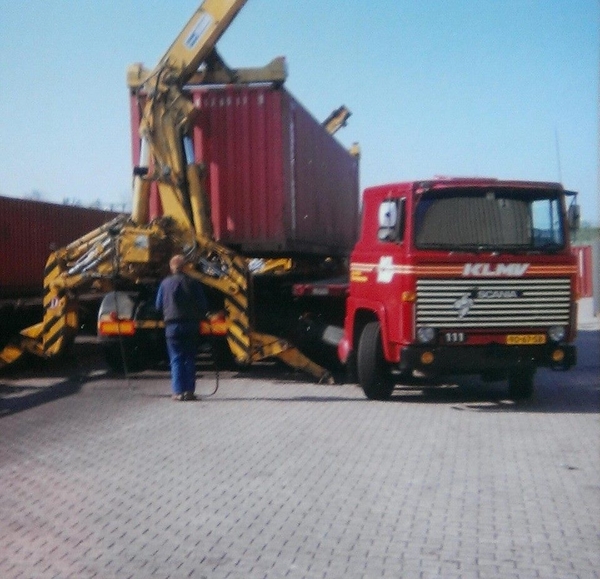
pixel 178 397
pixel 189 396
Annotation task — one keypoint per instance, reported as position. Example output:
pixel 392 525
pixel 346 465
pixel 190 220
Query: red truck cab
pixel 461 276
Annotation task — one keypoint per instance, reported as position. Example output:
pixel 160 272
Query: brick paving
pixel 276 477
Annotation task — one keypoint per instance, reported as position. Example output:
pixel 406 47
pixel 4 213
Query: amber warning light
pixel 111 325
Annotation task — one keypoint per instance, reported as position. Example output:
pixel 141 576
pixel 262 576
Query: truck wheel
pixel 520 383
pixel 373 373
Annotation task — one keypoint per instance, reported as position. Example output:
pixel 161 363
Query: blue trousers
pixel 182 343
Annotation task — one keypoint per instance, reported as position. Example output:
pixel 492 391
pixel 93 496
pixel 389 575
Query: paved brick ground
pixel 273 478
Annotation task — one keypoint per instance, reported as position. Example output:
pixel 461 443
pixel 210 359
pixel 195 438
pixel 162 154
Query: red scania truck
pixel 461 276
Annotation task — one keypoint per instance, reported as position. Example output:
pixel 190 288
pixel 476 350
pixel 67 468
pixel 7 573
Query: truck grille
pixel 499 303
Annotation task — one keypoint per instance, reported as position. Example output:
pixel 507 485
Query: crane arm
pixel 194 44
pixel 199 36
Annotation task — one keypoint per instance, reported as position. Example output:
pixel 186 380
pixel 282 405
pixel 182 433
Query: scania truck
pixel 461 276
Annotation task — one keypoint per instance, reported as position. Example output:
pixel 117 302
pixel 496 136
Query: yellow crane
pixel 132 249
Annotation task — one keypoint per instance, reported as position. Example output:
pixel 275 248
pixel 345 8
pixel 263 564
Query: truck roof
pixel 440 183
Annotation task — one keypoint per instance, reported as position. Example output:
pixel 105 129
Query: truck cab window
pixel 391 220
pixel 493 220
pixel 546 223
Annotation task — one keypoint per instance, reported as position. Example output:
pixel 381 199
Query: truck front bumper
pixel 448 360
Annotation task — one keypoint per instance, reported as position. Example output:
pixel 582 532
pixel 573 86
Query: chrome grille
pixel 499 303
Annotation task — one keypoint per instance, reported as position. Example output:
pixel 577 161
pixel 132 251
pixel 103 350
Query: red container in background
pixel 29 231
pixel 585 269
pixel 278 182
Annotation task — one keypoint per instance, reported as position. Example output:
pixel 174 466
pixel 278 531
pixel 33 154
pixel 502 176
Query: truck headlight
pixel 557 333
pixel 425 334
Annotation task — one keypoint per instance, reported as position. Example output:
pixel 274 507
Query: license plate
pixel 525 339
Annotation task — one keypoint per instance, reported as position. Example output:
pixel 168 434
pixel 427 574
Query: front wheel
pixel 520 383
pixel 373 372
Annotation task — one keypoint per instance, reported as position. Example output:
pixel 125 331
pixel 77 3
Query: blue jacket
pixel 181 301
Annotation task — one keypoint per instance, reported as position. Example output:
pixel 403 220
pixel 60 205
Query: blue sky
pixel 502 88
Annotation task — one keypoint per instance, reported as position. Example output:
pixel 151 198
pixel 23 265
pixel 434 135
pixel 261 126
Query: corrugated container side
pixel 29 231
pixel 239 137
pixel 324 186
pixel 277 181
pixel 585 277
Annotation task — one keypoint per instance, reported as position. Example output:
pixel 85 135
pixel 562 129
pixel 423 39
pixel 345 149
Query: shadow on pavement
pixel 319 399
pixel 550 396
pixel 15 399
pixel 32 381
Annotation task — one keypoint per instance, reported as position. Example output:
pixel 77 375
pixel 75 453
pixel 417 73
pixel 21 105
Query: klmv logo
pixel 495 270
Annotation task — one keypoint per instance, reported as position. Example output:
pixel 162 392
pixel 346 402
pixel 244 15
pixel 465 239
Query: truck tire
pixel 520 383
pixel 374 374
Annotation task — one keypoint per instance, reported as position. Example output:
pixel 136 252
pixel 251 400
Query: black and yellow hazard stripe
pixel 33 339
pixel 237 306
pixel 60 311
pixel 248 346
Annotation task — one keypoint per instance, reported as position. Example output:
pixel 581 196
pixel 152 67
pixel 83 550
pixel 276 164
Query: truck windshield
pixel 470 219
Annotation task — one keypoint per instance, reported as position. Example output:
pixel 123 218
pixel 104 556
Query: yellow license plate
pixel 525 339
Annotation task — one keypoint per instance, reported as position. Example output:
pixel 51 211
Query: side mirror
pixel 388 220
pixel 391 219
pixel 574 217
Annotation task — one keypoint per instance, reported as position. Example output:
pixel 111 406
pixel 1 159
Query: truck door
pixel 390 279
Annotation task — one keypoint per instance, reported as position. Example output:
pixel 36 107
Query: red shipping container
pixel 278 182
pixel 584 270
pixel 29 231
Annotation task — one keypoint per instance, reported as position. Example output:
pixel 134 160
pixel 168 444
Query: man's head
pixel 176 263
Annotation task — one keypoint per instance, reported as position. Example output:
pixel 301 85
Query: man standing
pixel 182 303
